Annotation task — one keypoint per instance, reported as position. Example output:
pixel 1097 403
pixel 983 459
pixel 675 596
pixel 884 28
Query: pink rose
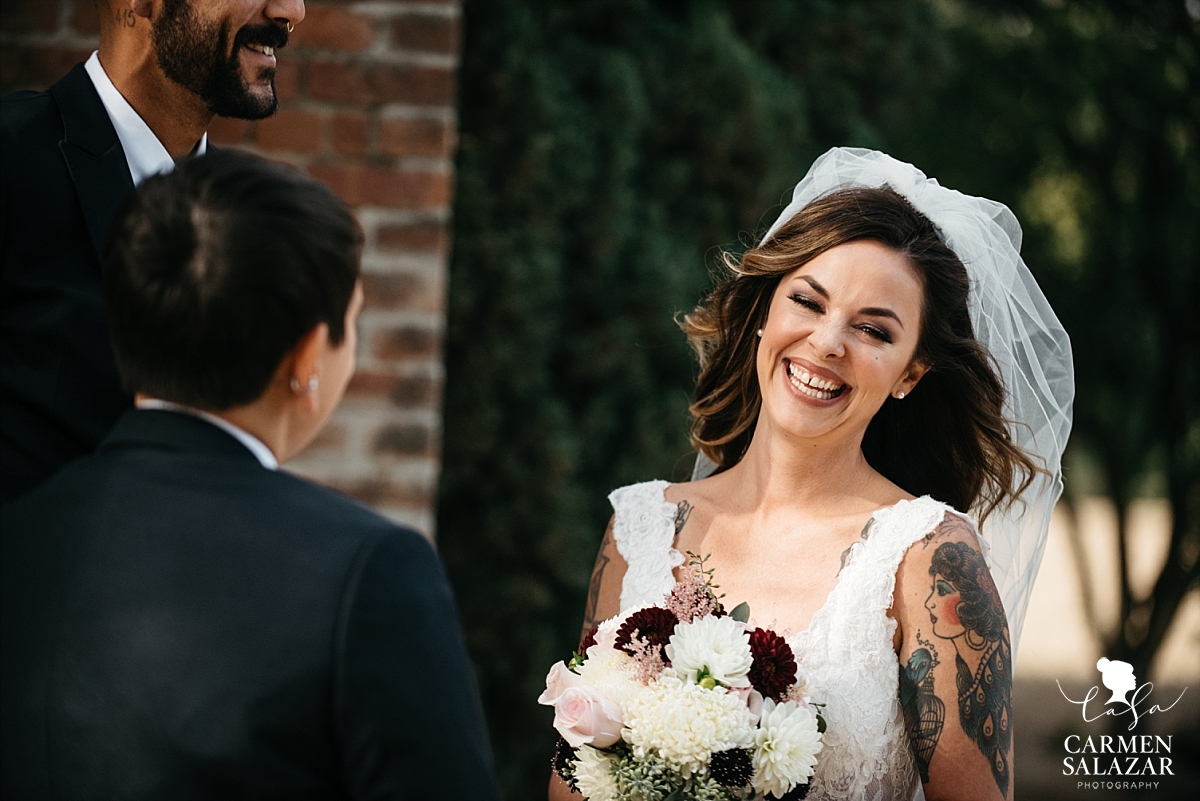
pixel 558 681
pixel 584 717
pixel 753 700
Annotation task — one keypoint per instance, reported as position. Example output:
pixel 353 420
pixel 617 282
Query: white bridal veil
pixel 1012 318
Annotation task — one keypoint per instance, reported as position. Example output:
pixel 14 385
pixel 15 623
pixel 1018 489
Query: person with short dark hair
pixel 68 157
pixel 178 617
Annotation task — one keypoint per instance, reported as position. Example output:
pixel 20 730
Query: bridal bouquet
pixel 682 701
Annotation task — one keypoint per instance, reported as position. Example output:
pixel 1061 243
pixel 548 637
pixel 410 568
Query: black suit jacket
pixel 63 174
pixel 179 622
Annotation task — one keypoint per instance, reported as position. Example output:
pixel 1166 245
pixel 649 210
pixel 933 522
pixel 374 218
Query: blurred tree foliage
pixel 1084 116
pixel 608 146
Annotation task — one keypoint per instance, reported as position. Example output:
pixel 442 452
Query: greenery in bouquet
pixel 684 701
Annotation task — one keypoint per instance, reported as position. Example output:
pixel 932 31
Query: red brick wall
pixel 367 104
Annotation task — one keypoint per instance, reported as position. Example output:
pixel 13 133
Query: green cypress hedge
pixel 607 148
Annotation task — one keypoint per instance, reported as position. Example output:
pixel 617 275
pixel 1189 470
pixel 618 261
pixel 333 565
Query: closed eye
pixel 876 333
pixel 806 302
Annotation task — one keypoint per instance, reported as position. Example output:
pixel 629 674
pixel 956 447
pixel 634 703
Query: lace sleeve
pixel 644 533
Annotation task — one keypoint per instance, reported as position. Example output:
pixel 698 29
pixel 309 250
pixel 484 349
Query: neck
pixel 783 472
pixel 270 423
pixel 176 116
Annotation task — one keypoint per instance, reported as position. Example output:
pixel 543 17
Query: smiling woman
pixel 852 418
pixel 836 304
pixel 950 439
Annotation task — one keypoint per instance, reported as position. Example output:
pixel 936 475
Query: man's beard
pixel 193 56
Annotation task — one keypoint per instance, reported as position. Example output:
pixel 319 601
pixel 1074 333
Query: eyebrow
pixel 870 311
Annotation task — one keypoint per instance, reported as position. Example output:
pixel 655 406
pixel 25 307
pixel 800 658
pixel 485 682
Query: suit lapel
pixel 93 154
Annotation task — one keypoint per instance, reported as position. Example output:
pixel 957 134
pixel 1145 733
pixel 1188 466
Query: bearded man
pixel 68 157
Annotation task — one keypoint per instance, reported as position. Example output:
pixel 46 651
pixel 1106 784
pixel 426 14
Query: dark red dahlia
pixel 774 668
pixel 589 640
pixel 654 625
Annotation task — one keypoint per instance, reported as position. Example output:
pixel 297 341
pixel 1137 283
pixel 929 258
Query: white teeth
pixel 267 51
pixel 812 385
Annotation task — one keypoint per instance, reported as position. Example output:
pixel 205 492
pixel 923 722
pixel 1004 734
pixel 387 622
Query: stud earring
pixel 760 333
pixel 311 387
pixel 900 395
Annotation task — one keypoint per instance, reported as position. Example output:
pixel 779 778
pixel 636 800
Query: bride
pixel 880 367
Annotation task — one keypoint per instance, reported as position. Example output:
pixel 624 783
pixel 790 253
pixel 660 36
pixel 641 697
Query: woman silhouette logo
pixel 1118 677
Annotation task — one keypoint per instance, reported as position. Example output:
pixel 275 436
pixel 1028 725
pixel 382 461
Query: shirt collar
pixel 145 155
pixel 252 443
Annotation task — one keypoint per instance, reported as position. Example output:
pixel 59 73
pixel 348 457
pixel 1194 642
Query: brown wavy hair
pixel 948 438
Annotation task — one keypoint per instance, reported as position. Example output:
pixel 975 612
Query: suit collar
pixel 170 430
pixel 93 154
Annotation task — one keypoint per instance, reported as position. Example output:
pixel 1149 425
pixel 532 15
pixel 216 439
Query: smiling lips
pixel 813 386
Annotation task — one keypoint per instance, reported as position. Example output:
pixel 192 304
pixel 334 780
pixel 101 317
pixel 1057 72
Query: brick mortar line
pixel 371 420
pixel 378 215
pixel 63 39
pixel 385 55
pixel 430 369
pixel 384 111
pixel 384 262
pixel 66 16
pixel 432 322
pixel 447 10
pixel 420 472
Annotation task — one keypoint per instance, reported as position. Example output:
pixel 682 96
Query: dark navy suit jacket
pixel 179 622
pixel 63 175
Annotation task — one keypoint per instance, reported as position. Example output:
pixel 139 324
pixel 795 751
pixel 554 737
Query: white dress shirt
pixel 145 155
pixel 252 443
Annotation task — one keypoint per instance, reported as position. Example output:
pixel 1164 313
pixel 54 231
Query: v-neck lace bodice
pixel 846 654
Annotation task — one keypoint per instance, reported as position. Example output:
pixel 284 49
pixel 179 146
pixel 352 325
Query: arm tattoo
pixel 866 532
pixel 924 712
pixel 593 599
pixel 683 511
pixel 950 525
pixel 965 608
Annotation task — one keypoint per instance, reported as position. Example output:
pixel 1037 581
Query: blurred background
pixel 545 186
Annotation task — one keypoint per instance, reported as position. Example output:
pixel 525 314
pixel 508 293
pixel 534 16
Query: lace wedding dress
pixel 846 653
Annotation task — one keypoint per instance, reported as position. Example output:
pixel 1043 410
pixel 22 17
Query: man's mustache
pixel 266 35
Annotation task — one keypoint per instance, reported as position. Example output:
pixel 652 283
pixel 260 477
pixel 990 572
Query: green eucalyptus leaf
pixel 741 612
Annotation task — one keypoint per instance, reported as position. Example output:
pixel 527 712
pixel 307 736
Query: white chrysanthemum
pixel 685 723
pixel 611 673
pixel 786 745
pixel 593 774
pixel 720 644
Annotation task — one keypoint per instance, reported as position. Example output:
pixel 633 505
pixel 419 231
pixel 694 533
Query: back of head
pixel 216 271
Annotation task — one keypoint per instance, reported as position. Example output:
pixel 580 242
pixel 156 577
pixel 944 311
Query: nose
pixel 287 13
pixel 827 340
